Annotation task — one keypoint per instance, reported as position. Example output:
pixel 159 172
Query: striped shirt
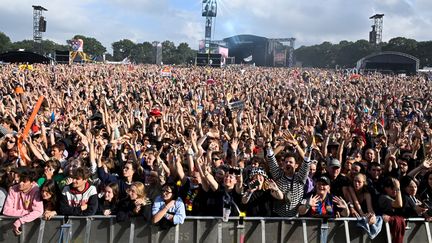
pixel 286 184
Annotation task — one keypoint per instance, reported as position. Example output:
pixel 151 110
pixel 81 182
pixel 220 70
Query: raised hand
pixel 272 185
pixel 313 201
pixel 234 144
pixel 339 202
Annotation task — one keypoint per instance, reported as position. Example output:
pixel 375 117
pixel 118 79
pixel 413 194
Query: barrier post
pixel 65 232
pixel 88 230
pixel 111 232
pixel 304 228
pixel 41 231
pixel 132 231
pixel 219 232
pixel 347 232
pixel 428 233
pixel 176 236
pixel 241 229
pixel 263 231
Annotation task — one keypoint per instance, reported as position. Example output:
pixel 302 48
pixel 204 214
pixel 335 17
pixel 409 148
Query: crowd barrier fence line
pixel 98 228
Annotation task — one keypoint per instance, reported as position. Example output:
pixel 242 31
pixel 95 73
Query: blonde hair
pixel 140 189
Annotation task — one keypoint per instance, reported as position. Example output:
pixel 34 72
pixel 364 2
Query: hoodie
pixel 72 200
pixel 26 206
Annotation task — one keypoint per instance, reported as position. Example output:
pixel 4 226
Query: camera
pixel 254 184
pixel 234 171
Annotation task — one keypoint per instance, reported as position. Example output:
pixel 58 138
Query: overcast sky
pixel 310 22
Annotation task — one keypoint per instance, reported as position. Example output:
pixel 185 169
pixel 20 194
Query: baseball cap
pixel 334 163
pixel 324 179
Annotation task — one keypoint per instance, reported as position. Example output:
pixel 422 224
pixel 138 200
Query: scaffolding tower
pixel 39 26
pixel 209 11
pixel 375 36
pixel 39 23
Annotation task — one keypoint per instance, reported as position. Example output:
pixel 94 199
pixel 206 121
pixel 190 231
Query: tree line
pixel 347 53
pixel 136 52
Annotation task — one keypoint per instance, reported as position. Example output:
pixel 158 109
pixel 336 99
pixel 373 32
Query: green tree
pixel 123 49
pixel 184 54
pixel 5 42
pixel 148 52
pixel 402 44
pixel 27 45
pixel 169 55
pixel 424 53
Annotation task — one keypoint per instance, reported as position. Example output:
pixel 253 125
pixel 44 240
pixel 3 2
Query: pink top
pixel 27 206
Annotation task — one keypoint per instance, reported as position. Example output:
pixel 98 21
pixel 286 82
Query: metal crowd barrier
pixel 105 229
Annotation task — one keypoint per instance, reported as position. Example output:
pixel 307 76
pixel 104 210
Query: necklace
pixel 26 200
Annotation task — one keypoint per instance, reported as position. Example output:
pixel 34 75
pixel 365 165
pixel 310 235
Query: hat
pixel 155 112
pixel 334 163
pixel 258 171
pixel 324 179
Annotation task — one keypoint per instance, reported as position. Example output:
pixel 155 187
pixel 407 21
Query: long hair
pixel 116 191
pixel 51 187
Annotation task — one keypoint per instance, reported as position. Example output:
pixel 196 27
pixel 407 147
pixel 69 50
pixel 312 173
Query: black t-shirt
pixel 259 204
pixel 193 198
pixel 337 184
pixel 385 206
pixel 375 189
pixel 215 202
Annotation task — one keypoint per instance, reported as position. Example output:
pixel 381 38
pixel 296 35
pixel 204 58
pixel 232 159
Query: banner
pixel 248 59
pixel 166 72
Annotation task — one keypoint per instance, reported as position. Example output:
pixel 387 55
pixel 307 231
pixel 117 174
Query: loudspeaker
pixel 42 24
pixel 204 59
pixel 62 56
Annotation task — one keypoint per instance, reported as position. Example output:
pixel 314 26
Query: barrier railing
pixel 96 229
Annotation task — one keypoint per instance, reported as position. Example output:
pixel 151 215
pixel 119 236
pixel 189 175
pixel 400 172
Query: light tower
pixel 375 36
pixel 158 52
pixel 209 11
pixel 39 26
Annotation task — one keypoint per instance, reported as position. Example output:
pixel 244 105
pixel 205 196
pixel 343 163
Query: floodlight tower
pixel 209 11
pixel 377 28
pixel 39 26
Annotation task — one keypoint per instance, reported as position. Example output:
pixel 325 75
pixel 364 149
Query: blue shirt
pixel 178 210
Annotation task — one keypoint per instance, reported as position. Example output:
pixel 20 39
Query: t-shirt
pixel 259 204
pixel 385 206
pixel 193 198
pixel 337 184
pixel 215 202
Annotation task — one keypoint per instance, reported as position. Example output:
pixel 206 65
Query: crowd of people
pixel 132 142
